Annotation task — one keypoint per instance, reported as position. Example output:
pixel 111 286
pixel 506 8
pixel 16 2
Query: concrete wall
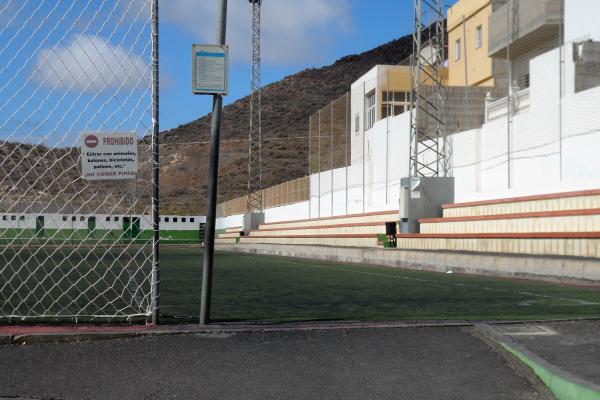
pixel 371 183
pixel 284 213
pixel 533 23
pixel 553 140
pixel 555 269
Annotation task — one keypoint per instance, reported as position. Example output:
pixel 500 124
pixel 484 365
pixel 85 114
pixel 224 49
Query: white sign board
pixel 210 69
pixel 109 156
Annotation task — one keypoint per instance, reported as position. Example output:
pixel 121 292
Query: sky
pixel 73 66
pixel 295 35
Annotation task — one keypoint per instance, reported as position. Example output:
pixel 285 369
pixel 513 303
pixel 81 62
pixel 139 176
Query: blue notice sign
pixel 209 69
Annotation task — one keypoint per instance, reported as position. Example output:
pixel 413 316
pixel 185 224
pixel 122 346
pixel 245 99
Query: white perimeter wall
pixel 284 213
pixel 555 143
pixel 372 182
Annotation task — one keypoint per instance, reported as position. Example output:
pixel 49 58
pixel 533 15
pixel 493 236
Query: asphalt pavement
pixel 396 363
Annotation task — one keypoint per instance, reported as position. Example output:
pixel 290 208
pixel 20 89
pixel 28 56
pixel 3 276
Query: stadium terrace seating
pixel 559 224
pixel 230 236
pixel 355 230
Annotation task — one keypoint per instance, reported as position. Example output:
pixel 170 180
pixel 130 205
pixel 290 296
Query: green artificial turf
pixel 268 288
pixel 67 281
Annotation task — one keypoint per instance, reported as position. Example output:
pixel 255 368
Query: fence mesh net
pixel 539 83
pixel 71 247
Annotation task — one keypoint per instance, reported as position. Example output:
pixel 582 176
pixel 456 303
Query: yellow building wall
pixel 474 13
pixel 398 79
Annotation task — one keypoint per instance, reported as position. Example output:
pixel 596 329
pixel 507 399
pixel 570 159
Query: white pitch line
pixel 582 302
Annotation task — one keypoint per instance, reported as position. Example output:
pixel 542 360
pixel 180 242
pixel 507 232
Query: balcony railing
pixel 499 108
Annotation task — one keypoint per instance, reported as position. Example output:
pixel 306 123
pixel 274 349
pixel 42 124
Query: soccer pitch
pixel 269 289
pixel 258 288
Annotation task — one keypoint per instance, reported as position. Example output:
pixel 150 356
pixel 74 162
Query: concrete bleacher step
pixel 220 240
pixel 236 229
pixel 572 244
pixel 582 220
pixel 367 228
pixel 380 216
pixel 357 240
pixel 230 235
pixel 579 200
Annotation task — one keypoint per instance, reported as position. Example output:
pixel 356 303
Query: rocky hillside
pixel 287 105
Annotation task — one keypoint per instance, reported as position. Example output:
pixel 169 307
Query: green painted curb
pixel 562 388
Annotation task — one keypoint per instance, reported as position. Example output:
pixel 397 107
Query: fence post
pixel 155 302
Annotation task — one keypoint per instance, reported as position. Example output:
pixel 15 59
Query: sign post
pixel 210 77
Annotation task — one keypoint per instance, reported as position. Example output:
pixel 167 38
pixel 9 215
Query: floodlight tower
pixel 255 201
pixel 254 212
pixel 429 184
pixel 429 146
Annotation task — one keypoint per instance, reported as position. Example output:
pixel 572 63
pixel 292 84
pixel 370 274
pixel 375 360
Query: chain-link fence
pixel 290 192
pixel 329 139
pixel 76 238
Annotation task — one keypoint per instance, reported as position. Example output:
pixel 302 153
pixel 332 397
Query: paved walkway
pixel 573 346
pixel 566 355
pixel 392 363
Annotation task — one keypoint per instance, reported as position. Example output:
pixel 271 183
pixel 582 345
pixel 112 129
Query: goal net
pixel 76 226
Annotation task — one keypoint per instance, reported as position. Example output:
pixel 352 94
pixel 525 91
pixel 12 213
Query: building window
pixel 115 218
pixel 13 218
pixel 192 219
pixel 82 218
pixel 73 218
pixel 4 218
pixel 478 37
pixel 166 219
pixel 174 219
pixel 107 219
pixel 524 81
pixel 370 110
pixel 22 218
pixel 394 103
pixel 356 123
pixel 457 50
pixel 182 219
pixel 65 218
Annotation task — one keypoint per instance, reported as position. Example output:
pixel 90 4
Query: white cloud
pixel 90 63
pixel 292 31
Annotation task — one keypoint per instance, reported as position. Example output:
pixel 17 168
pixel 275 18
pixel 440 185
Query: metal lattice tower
pixel 255 200
pixel 430 149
